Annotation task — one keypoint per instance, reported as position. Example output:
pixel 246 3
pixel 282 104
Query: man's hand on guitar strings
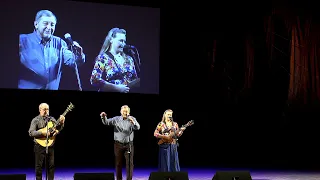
pixel 44 133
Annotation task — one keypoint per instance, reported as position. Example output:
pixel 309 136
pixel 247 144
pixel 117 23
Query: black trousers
pixel 121 150
pixel 40 159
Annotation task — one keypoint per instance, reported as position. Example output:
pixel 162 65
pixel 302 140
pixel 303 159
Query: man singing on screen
pixel 124 126
pixel 42 55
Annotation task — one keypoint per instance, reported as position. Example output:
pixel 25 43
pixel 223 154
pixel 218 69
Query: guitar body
pixel 171 134
pixel 166 141
pixel 43 141
pixel 51 127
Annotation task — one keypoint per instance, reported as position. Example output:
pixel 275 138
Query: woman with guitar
pixel 168 132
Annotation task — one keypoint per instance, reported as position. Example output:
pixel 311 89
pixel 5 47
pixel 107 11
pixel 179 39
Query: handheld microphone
pixel 102 117
pixel 67 36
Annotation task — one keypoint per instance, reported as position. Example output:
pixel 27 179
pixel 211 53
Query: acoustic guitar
pixel 51 128
pixel 172 134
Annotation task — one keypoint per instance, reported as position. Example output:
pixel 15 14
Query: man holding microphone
pixel 124 126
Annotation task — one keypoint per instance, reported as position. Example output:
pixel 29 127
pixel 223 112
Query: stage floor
pixel 194 174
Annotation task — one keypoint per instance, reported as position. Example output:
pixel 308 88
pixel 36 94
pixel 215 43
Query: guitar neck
pixel 63 114
pixel 190 123
pixel 184 126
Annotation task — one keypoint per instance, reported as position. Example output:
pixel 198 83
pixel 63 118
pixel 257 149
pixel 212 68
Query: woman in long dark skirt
pixel 168 131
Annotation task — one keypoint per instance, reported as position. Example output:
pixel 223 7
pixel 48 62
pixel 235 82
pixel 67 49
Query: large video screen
pixel 72 45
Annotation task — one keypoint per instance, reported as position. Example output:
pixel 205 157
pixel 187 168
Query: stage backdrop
pixel 239 132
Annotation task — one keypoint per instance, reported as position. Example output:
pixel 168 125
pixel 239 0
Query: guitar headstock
pixel 70 107
pixel 190 123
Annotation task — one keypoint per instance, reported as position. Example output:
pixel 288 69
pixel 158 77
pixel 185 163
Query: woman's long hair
pixel 111 34
pixel 164 115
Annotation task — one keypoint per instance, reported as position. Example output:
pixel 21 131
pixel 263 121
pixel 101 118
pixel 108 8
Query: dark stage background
pixel 236 124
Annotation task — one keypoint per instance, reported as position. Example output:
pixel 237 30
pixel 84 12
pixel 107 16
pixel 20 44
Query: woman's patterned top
pixel 162 129
pixel 107 69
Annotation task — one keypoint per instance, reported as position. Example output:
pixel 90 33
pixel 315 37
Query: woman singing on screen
pixel 168 131
pixel 114 71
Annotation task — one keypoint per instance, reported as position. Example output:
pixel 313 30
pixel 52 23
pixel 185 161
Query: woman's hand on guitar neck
pixel 183 128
